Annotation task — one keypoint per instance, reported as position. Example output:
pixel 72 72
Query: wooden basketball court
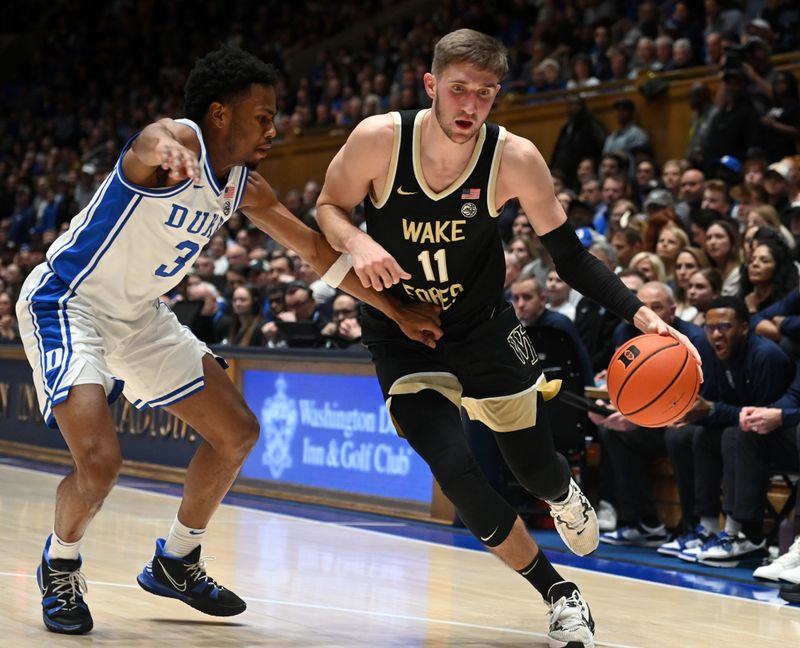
pixel 310 583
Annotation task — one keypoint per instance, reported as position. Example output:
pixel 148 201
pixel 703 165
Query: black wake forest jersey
pixel 448 241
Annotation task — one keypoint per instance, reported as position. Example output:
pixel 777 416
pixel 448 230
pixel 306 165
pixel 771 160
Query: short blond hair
pixel 471 47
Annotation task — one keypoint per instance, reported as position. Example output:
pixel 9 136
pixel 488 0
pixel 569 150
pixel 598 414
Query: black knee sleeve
pixel 532 457
pixel 487 515
pixel 432 425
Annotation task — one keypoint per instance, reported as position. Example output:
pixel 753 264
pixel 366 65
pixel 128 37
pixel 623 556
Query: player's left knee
pixel 547 481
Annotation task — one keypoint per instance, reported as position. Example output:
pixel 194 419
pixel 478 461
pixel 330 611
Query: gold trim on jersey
pixel 387 188
pixel 495 169
pixel 416 149
pixel 499 413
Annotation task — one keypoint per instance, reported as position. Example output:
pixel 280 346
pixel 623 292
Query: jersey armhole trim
pixel 491 189
pixel 390 176
pixel 153 192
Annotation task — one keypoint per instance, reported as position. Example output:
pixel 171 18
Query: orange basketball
pixel 653 380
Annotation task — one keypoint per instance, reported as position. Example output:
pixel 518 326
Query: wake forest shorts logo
pixel 520 343
pixel 629 355
pixel 468 210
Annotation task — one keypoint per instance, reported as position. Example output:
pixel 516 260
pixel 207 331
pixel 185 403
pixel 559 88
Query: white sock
pixel 182 539
pixel 710 524
pixel 732 527
pixel 61 550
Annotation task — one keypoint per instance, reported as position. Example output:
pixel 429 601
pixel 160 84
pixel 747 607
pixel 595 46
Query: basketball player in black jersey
pixel 434 183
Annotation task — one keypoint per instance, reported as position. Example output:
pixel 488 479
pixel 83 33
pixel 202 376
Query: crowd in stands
pixel 709 241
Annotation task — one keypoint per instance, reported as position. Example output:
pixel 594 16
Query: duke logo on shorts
pixel 91 312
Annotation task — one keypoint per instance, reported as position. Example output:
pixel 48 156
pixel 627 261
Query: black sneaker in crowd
pixel 185 579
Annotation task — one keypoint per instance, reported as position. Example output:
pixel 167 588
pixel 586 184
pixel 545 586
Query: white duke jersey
pixel 132 244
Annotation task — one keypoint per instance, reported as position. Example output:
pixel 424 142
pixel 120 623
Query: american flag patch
pixel 230 190
pixel 470 194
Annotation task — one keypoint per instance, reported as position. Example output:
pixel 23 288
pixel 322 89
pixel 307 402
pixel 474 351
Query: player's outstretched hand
pixel 420 322
pixel 179 161
pixel 375 267
pixel 648 322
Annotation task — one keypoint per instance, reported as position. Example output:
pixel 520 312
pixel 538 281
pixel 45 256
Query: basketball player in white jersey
pixel 93 326
pixel 433 183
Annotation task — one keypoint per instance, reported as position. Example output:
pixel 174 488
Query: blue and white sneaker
pixel 637 535
pixel 731 550
pixel 690 553
pixel 696 538
pixel 185 579
pixel 62 586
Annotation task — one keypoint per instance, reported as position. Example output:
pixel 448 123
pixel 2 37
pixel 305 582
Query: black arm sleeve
pixel 587 275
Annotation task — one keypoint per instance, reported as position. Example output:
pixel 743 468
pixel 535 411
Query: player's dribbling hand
pixel 420 322
pixel 179 161
pixel 374 266
pixel 648 322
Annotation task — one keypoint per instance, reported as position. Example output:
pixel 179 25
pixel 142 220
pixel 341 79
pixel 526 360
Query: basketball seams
pixel 688 405
pixel 641 363
pixel 663 391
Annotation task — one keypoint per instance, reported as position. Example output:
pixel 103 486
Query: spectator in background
pixel 769 272
pixel 682 55
pixel 245 324
pixel 714 52
pixel 528 300
pixel 612 164
pixel 628 135
pixel 691 193
pixel 211 323
pixel 614 188
pixel 716 198
pixel 343 331
pixel 645 57
pixel 724 252
pixel 23 217
pixel 582 136
pixel 700 102
pixel 781 124
pixel 704 286
pixel 671 240
pixel 733 128
pixel 582 76
pixel 649 266
pixel 627 243
pixel 689 260
pixel 558 295
pixel 663 54
pixel 671 178
pixel 300 309
pixel 9 330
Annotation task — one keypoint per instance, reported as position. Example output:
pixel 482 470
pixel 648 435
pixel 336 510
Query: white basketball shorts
pixel 153 360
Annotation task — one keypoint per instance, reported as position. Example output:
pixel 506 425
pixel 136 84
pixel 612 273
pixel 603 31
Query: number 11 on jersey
pixel 441 264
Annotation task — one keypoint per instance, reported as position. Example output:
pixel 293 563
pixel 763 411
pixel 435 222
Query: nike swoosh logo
pixel 181 587
pixel 489 537
pixel 193 532
pixel 406 193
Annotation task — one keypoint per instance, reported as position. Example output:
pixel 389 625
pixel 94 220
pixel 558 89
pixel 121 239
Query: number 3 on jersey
pixel 441 265
pixel 191 247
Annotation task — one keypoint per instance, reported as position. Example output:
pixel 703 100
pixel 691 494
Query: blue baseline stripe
pixel 157 402
pixel 90 210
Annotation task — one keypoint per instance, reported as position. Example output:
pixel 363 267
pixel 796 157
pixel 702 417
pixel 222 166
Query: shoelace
pixel 67 586
pixel 573 510
pixel 567 608
pixel 198 571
